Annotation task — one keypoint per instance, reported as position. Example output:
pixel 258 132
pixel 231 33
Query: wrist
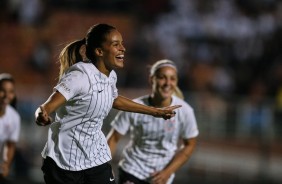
pixel 155 112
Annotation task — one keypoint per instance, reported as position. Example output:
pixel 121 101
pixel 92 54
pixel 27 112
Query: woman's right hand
pixel 41 117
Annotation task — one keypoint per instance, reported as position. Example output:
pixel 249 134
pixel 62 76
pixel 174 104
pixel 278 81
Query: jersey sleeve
pixel 189 125
pixel 121 123
pixel 71 83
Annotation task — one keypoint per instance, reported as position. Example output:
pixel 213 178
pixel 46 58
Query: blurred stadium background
pixel 230 68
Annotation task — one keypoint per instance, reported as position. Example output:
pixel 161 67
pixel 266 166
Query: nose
pixel 166 81
pixel 122 48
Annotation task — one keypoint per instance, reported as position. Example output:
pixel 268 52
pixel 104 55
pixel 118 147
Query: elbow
pixel 189 146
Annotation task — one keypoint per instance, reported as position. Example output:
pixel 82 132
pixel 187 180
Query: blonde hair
pixel 164 63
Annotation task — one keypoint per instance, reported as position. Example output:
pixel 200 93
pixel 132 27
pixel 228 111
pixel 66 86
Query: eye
pixel 160 77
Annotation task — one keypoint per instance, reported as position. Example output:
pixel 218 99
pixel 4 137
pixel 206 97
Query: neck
pixel 159 102
pixel 102 68
pixel 2 111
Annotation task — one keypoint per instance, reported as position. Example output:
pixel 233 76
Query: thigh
pixel 55 175
pixel 102 174
pixel 125 178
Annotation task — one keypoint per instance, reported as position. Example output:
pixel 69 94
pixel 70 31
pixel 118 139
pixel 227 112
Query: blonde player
pixel 152 155
pixel 76 150
pixel 9 124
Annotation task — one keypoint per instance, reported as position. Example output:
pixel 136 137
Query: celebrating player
pixel 77 150
pixel 9 124
pixel 152 155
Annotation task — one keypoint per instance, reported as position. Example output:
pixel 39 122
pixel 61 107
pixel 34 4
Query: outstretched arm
pixel 125 104
pixel 42 113
pixel 178 160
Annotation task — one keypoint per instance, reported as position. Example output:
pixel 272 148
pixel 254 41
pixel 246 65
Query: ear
pixel 99 52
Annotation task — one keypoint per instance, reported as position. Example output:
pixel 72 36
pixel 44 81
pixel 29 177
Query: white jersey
pixel 9 129
pixel 153 141
pixel 75 140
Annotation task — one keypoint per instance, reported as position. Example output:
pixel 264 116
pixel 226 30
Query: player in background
pixel 9 125
pixel 153 154
pixel 76 150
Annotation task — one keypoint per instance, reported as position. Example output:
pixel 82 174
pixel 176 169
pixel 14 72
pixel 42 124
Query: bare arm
pixel 113 137
pixel 178 160
pixel 42 113
pixel 5 166
pixel 125 104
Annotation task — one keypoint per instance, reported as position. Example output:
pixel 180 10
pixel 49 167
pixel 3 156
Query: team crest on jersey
pixel 63 85
pixel 170 125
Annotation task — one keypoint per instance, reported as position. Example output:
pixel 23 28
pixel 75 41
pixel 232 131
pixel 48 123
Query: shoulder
pixel 142 99
pixel 80 67
pixel 183 103
pixel 12 113
pixel 78 70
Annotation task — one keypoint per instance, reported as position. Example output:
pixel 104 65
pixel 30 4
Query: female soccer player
pixel 152 155
pixel 76 149
pixel 9 124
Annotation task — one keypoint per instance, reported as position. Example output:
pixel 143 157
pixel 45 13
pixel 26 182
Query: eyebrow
pixel 114 41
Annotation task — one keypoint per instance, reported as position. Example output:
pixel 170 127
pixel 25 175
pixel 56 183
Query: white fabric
pixel 9 129
pixel 153 141
pixel 75 140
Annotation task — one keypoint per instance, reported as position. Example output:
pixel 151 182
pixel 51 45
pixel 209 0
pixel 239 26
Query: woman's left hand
pixel 167 112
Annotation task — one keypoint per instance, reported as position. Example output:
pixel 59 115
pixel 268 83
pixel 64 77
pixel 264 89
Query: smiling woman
pixel 76 150
pixel 153 153
pixel 9 124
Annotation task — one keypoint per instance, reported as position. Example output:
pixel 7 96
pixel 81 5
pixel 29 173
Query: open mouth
pixel 167 89
pixel 120 57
